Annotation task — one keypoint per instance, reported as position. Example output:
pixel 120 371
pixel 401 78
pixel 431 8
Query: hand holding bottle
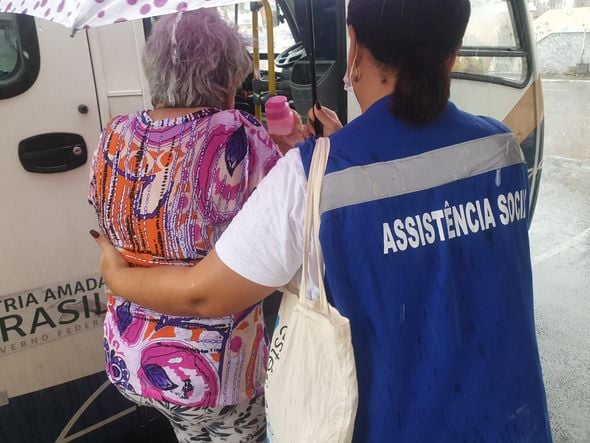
pixel 284 124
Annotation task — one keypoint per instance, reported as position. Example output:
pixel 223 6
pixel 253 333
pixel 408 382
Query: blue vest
pixel 425 241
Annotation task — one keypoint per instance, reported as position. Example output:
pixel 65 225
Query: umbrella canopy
pixel 82 14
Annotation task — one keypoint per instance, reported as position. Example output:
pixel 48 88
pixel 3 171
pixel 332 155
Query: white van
pixel 57 92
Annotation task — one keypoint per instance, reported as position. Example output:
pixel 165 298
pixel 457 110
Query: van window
pixel 495 44
pixel 8 46
pixel 241 14
pixel 19 54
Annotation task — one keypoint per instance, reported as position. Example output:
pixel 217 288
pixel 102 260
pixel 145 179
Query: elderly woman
pixel 165 184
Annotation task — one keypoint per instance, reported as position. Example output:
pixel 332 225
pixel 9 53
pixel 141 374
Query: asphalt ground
pixel 560 244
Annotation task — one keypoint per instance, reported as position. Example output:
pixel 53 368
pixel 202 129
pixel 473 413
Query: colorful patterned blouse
pixel 164 191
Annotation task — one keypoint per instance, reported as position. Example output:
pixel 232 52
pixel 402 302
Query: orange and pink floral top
pixel 164 191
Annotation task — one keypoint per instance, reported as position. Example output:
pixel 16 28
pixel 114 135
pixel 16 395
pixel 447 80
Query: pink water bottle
pixel 279 117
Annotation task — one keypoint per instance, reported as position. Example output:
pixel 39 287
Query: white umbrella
pixel 82 14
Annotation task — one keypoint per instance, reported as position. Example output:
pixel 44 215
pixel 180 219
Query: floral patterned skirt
pixel 186 361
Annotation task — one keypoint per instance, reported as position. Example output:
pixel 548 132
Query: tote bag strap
pixel 311 226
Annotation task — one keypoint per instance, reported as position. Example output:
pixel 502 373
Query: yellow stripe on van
pixel 523 119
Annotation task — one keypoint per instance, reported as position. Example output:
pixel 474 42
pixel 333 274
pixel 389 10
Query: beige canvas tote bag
pixel 311 387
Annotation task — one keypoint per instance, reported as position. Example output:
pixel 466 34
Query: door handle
pixel 53 152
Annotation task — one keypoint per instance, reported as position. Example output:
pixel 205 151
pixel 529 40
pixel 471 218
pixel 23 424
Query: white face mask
pixel 348 87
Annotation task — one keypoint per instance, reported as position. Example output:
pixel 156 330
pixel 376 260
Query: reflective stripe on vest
pixel 362 184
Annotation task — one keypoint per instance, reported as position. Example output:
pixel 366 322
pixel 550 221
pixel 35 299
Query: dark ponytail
pixel 416 40
pixel 422 89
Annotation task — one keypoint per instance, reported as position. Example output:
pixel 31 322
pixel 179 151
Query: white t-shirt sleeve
pixel 264 242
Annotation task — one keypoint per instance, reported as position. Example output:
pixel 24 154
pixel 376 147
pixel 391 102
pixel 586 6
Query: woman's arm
pixel 180 290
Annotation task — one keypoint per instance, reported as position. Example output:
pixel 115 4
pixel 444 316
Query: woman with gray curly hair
pixel 165 184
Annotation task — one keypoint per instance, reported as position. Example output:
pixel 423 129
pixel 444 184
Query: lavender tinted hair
pixel 208 60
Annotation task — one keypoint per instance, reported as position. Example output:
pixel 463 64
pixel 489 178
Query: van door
pixel 496 75
pixel 50 292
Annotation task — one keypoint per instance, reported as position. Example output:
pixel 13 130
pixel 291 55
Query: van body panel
pixel 116 57
pixel 50 319
pixel 45 222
